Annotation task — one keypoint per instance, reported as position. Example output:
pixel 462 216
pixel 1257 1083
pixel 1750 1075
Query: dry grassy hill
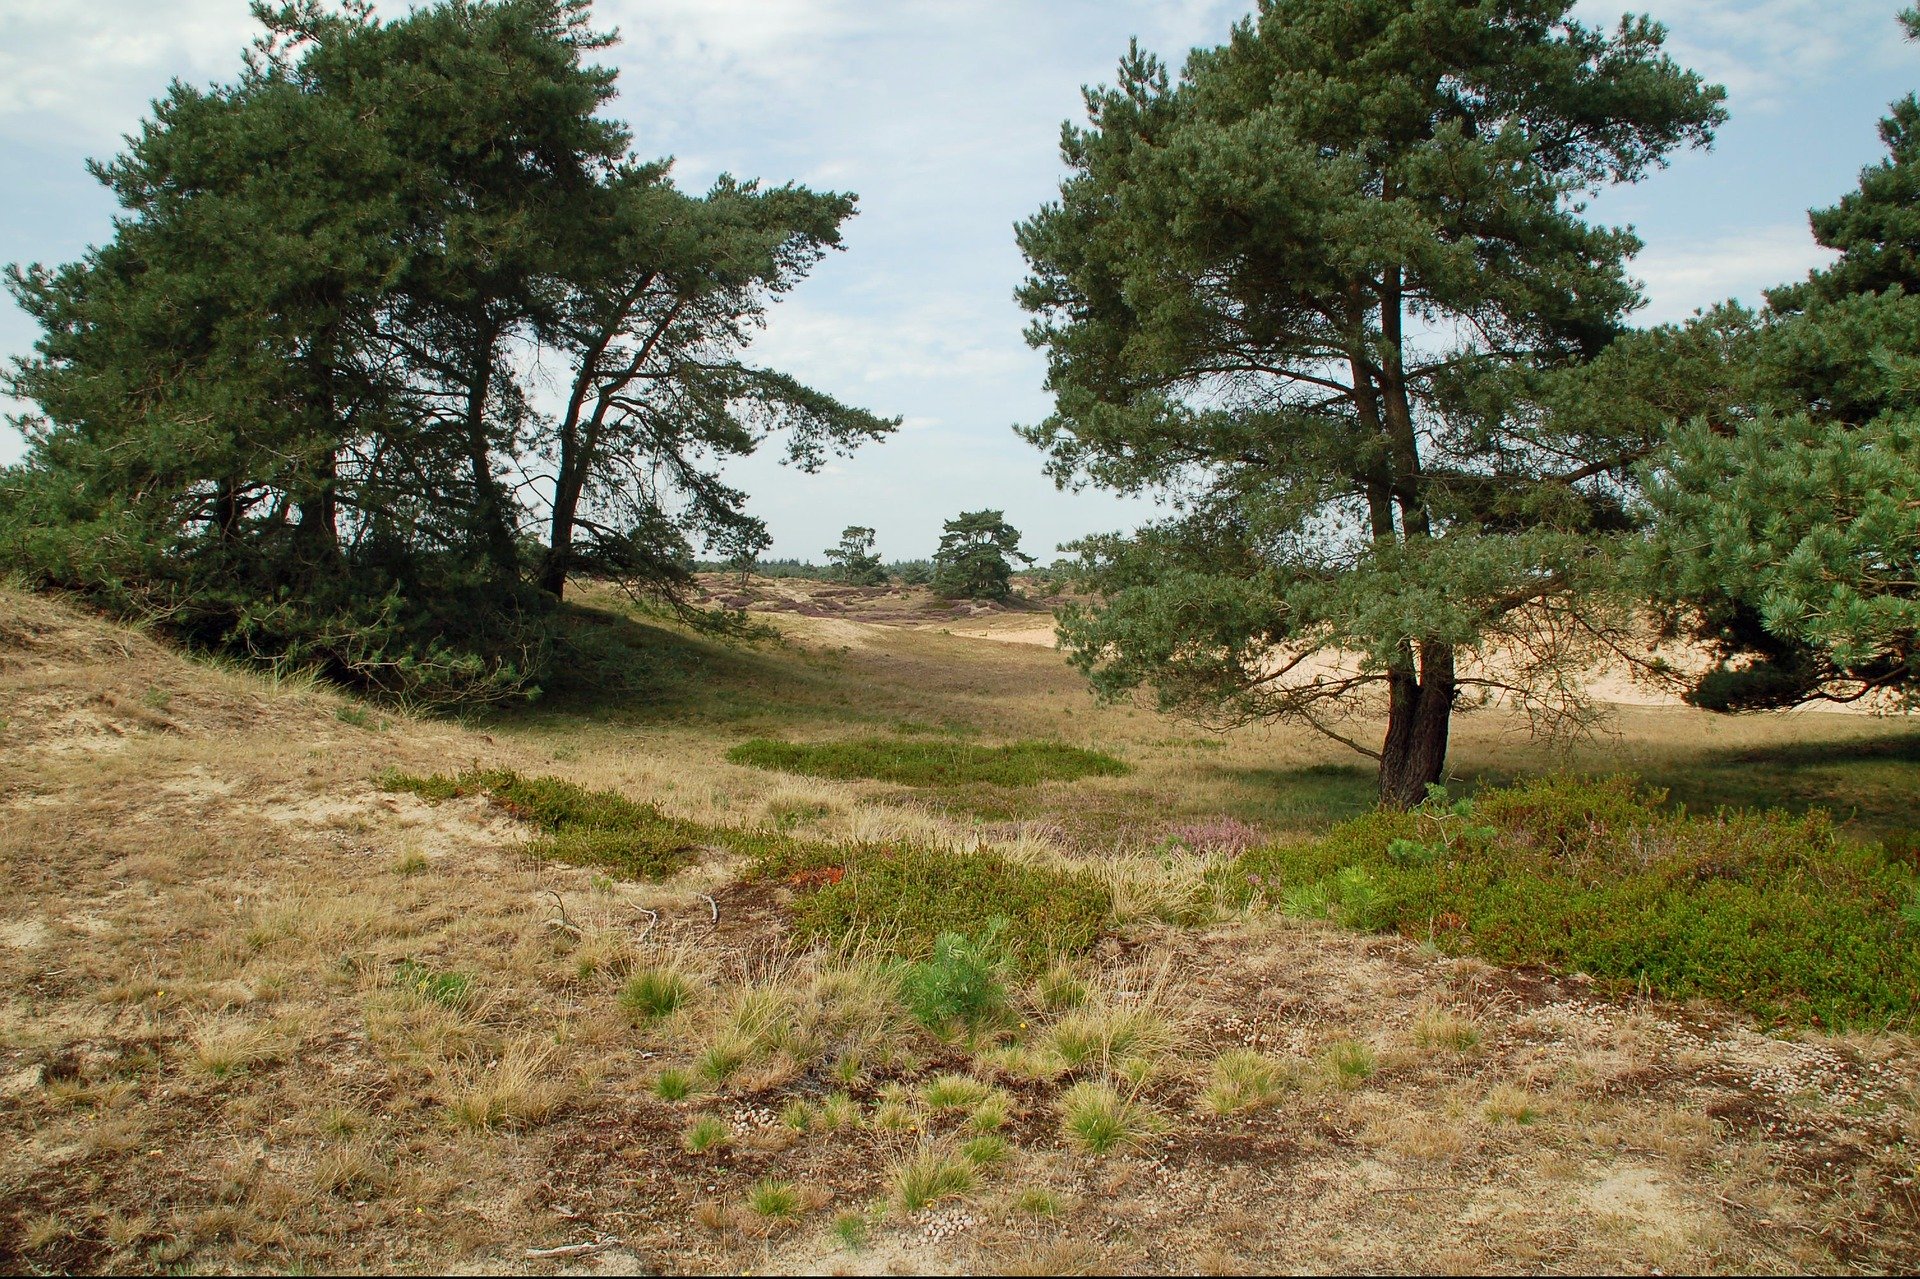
pixel 261 1013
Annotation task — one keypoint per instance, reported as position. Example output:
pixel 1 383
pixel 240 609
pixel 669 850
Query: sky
pixel 943 116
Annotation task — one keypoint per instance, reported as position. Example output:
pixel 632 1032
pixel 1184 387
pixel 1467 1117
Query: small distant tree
pixel 973 561
pixel 854 561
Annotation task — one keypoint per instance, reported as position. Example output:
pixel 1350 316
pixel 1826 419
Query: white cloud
pixel 83 74
pixel 1763 51
pixel 1683 277
pixel 891 343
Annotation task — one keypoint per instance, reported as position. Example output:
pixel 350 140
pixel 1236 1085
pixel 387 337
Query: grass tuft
pixel 1096 1119
pixel 1103 1036
pixel 1348 1063
pixel 773 1200
pixel 986 1151
pixel 652 993
pixel 453 990
pixel 512 1092
pixel 1509 1104
pixel 852 1229
pixel 1439 1030
pixel 707 1132
pixel 1038 1201
pixel 952 1093
pixel 673 1084
pixel 931 1174
pixel 1242 1079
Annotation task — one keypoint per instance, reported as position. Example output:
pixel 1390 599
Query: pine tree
pixel 1306 292
pixel 975 557
pixel 1787 531
pixel 287 410
pixel 854 561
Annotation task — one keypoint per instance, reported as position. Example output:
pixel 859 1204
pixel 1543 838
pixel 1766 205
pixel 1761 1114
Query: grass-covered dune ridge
pixel 1769 911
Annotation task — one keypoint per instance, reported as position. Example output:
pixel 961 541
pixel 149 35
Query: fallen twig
pixel 653 917
pixel 564 924
pixel 573 1249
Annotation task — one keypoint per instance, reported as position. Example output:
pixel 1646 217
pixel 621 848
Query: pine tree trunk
pixel 318 529
pixel 1419 715
pixel 490 504
pixel 553 574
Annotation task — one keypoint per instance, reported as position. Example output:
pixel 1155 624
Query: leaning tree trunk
pixel 490 503
pixel 1419 715
pixel 566 505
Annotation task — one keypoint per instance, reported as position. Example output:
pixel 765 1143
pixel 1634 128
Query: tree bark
pixel 490 504
pixel 1419 716
pixel 566 506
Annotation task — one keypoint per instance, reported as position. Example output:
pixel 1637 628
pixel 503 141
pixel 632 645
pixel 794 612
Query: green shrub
pixel 1771 911
pixel 904 898
pixel 935 762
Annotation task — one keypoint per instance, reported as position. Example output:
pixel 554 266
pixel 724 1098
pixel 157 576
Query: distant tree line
pixel 289 407
pixel 976 560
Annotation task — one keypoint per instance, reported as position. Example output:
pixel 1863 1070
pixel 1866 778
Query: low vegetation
pixel 902 900
pixel 1769 911
pixel 580 826
pixel 853 1023
pixel 920 762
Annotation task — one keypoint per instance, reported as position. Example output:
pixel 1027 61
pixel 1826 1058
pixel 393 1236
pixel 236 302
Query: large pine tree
pixel 289 406
pixel 1304 291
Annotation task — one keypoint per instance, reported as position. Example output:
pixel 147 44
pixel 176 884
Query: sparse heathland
pixel 297 982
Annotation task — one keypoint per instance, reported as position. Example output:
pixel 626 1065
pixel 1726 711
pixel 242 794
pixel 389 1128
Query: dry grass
pixel 930 1174
pixel 222 944
pixel 515 1090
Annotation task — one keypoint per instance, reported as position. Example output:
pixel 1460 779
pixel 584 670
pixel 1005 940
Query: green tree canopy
pixel 975 557
pixel 290 405
pixel 1308 292
pixel 1787 530
pixel 854 561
